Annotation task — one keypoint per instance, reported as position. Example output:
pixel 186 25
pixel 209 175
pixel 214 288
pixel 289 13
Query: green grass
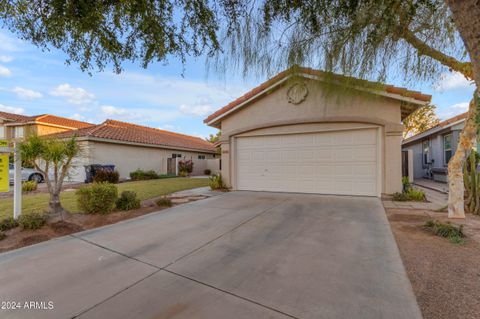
pixel 144 189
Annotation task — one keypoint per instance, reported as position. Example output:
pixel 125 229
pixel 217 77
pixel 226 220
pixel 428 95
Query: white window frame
pixel 201 157
pixel 445 150
pixel 3 134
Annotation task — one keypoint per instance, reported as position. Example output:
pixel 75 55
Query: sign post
pixel 17 182
pixel 17 175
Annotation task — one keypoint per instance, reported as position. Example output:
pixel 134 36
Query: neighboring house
pixel 130 147
pixel 295 133
pixel 19 126
pixel 433 148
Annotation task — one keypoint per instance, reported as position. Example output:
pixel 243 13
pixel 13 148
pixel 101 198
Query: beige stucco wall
pixel 323 109
pixel 127 158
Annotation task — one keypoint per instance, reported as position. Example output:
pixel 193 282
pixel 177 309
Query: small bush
pixel 185 167
pixel 406 183
pixel 97 198
pixel 105 175
pixel 140 175
pixel 128 200
pixel 454 233
pixel 412 194
pixel 207 172
pixel 8 223
pixel 164 202
pixel 29 186
pixel 216 182
pixel 2 236
pixel 31 221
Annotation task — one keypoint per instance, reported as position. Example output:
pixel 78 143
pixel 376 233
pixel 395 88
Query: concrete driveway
pixel 239 255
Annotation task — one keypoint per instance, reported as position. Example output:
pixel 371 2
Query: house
pixel 303 132
pixel 19 126
pixel 130 147
pixel 433 148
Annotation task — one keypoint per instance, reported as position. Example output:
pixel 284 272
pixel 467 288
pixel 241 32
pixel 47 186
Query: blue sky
pixel 35 82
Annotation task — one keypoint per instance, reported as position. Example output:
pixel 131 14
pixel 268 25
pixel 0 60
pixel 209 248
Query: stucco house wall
pixel 436 149
pixel 126 158
pixel 322 110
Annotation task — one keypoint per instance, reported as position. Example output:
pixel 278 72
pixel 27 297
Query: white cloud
pixel 26 93
pixel 5 58
pixel 78 117
pixel 196 110
pixel 73 95
pixel 10 43
pixel 12 109
pixel 4 71
pixel 451 81
pixel 452 110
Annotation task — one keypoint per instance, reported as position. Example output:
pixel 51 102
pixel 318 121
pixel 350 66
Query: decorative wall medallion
pixel 297 93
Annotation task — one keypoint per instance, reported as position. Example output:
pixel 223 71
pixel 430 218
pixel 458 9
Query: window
pixel 17 131
pixel 447 148
pixel 201 156
pixel 2 132
pixel 426 151
pixel 176 155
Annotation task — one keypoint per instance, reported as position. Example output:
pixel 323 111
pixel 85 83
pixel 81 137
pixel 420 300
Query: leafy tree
pixel 53 158
pixel 362 38
pixel 214 138
pixel 97 33
pixel 419 121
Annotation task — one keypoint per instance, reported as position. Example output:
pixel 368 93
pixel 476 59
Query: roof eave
pixel 216 122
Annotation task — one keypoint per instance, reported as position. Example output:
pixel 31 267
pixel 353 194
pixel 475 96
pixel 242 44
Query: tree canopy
pixel 96 33
pixel 419 121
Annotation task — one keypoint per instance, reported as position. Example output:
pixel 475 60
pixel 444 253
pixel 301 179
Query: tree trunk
pixel 466 142
pixel 55 206
pixel 466 15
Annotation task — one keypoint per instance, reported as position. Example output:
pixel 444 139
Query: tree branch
pixel 424 49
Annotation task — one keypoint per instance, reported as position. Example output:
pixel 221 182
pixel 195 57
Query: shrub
pixel 454 233
pixel 216 182
pixel 2 236
pixel 185 167
pixel 140 175
pixel 207 172
pixel 411 194
pixel 29 186
pixel 183 173
pixel 164 202
pixel 97 198
pixel 31 221
pixel 8 223
pixel 406 183
pixel 105 175
pixel 128 200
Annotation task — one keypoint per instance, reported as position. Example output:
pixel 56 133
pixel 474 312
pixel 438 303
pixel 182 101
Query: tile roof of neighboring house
pixel 437 128
pixel 400 91
pixel 54 120
pixel 12 116
pixel 127 132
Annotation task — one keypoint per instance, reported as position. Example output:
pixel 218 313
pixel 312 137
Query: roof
pixel 412 97
pixel 52 120
pixel 437 128
pixel 12 116
pixel 133 133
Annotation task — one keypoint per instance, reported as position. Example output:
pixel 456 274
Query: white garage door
pixel 340 162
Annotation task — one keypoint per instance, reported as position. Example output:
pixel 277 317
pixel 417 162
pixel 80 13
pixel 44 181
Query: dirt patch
pixel 445 277
pixel 63 228
pixel 73 223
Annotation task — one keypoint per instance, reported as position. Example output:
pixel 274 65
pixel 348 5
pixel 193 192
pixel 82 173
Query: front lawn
pixel 144 189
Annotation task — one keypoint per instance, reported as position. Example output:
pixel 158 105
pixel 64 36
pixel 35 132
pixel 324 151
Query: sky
pixel 34 82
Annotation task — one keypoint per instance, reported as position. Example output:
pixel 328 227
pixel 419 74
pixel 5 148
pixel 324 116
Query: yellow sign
pixel 4 173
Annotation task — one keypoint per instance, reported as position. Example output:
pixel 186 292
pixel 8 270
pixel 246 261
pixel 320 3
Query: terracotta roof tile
pixel 54 120
pixel 127 132
pixel 301 70
pixel 12 116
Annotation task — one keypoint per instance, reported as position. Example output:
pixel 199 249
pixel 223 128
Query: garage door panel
pixel 343 162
